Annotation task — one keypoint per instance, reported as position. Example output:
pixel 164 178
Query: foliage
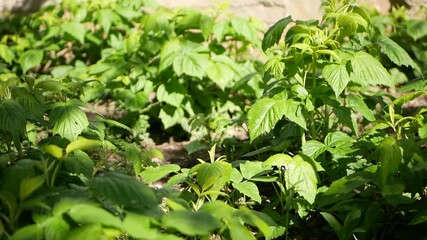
pixel 333 148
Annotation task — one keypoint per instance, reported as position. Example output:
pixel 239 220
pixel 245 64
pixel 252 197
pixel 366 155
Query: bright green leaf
pixel 55 228
pixel 68 120
pixel 192 64
pixel 396 53
pixel 222 74
pixel 30 59
pixel 249 189
pixel 54 151
pixel 337 77
pixel 250 169
pixel 369 71
pixel 138 226
pixel 191 223
pixel 30 232
pixel 86 213
pixel 75 29
pixel 313 148
pixel 82 143
pixel 152 174
pixel 7 54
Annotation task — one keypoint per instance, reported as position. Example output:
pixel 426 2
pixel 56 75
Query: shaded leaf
pixel 390 157
pixel 417 28
pixel 274 33
pixel 125 191
pixel 79 163
pixel 29 185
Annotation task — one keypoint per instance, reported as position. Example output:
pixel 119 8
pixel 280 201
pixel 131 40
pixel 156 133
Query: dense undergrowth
pixel 334 151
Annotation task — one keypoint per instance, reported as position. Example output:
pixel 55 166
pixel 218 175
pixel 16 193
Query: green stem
pixel 311 117
pixel 55 173
pixel 326 120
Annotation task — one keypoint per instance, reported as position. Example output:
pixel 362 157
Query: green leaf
pixel 172 93
pixel 274 33
pixel 171 116
pixel 50 85
pixel 348 118
pixel 313 148
pixel 278 160
pixel 337 77
pixel 68 120
pixel 75 29
pixel 54 151
pixel 191 223
pixel 79 163
pixel 238 231
pixel 190 63
pixel 358 105
pixel 125 191
pixel 243 28
pixel 259 220
pixel 86 213
pixel 82 143
pixel 30 59
pixel 13 118
pixel 213 176
pixel 390 158
pixel 29 185
pixel 369 71
pixel 7 54
pixel 416 28
pixel 396 53
pixel 30 232
pixel 249 189
pixel 55 228
pixel 139 226
pixel 300 175
pixel 105 19
pixel 220 29
pixel 250 169
pixel 222 74
pixel 152 174
pixel 333 223
pixel 275 66
pixel 264 115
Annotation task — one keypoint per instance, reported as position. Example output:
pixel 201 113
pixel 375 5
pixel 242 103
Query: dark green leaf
pixel 274 33
pixel 79 163
pixel 29 185
pixel 12 118
pixel 333 223
pixel 125 191
pixel 390 157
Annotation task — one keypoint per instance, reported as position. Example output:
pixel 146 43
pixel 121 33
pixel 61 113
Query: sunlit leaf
pixel 191 64
pixel 138 226
pixel 191 223
pixel 68 120
pixel 249 189
pixel 264 115
pixel 30 59
pixel 337 77
pixel 396 53
pixel 75 29
pixel 313 148
pixel 30 232
pixel 85 213
pixel 152 174
pixel 82 143
pixel 6 54
pixel 54 150
pixel 369 71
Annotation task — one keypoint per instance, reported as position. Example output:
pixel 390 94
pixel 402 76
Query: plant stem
pixel 314 72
